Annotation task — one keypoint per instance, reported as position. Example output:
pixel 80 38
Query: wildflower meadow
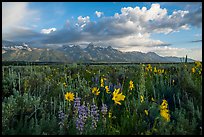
pixel 81 99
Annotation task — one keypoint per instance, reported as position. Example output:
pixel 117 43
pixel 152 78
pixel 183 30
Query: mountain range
pixel 18 51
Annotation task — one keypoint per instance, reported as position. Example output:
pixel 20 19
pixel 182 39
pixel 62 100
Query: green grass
pixel 33 95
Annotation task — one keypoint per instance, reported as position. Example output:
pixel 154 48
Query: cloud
pixel 24 34
pixel 98 14
pixel 15 14
pixel 195 41
pixel 193 53
pixel 48 31
pixel 83 20
pixel 169 51
pixel 194 18
pixel 129 30
pixel 134 42
pixel 128 26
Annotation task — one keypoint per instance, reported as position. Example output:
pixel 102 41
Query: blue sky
pixel 167 28
pixel 58 12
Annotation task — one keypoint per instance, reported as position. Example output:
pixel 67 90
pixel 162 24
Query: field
pixel 137 99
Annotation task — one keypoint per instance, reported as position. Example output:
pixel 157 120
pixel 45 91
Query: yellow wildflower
pixel 102 82
pixel 164 104
pixel 152 99
pixel 155 70
pixel 199 72
pixel 141 98
pixel 65 85
pixel 146 112
pixel 159 71
pixel 165 115
pixel 118 97
pixel 193 70
pixel 69 96
pixel 95 91
pixel 149 67
pixel 198 64
pixel 109 114
pixel 131 85
pixel 107 89
pixel 164 112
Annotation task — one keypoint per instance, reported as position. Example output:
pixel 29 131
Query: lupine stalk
pixel 77 101
pixel 82 117
pixel 104 111
pixel 94 115
pixel 61 117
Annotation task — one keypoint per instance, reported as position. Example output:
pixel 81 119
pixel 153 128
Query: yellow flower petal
pixel 69 96
pixel 118 97
pixel 146 112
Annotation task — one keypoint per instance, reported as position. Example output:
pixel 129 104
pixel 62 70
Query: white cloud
pixel 193 53
pixel 48 31
pixel 98 14
pixel 82 20
pixel 132 42
pixel 15 14
pixel 155 12
pixel 169 51
pixel 129 30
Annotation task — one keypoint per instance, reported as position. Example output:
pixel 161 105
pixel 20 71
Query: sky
pixel 166 28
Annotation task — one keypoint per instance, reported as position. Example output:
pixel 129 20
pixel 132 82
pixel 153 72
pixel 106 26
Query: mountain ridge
pixel 12 51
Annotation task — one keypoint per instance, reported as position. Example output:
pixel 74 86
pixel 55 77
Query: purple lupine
pixel 82 116
pixel 94 115
pixel 83 112
pixel 111 87
pixel 61 117
pixel 77 101
pixel 118 86
pixel 96 80
pixel 104 111
pixel 93 79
